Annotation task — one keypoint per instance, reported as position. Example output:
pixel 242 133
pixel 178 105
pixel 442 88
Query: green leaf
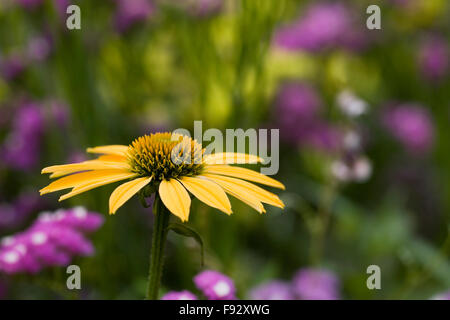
pixel 186 231
pixel 433 260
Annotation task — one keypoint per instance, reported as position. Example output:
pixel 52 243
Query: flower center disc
pixel 165 156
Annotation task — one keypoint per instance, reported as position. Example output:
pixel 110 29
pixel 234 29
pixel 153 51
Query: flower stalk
pixel 157 249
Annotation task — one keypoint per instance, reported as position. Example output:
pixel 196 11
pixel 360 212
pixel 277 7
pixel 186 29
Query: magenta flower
pixel 297 100
pixel 324 25
pixel 296 105
pixel 215 285
pixel 52 240
pixel 21 149
pixel 130 12
pixel 411 125
pixel 61 7
pixel 321 135
pixel 297 115
pixel 434 58
pixel 179 295
pixel 316 284
pixel 12 66
pixel 273 290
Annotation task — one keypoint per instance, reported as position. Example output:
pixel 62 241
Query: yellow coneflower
pixel 172 165
pixel 148 162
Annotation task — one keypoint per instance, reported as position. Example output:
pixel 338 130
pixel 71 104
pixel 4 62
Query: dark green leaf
pixel 186 231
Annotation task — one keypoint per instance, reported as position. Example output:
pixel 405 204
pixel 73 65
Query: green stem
pixel 322 223
pixel 158 243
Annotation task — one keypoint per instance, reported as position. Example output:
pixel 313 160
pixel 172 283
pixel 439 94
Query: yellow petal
pixel 208 192
pixel 92 185
pixel 237 192
pixel 125 191
pixel 175 198
pixel 249 188
pixel 111 149
pixel 112 157
pixel 244 173
pixel 58 174
pixel 230 158
pixel 85 166
pixel 83 178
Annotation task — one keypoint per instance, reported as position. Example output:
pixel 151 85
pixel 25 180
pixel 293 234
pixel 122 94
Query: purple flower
pixel 52 240
pixel 22 146
pixel 7 216
pixel 297 101
pixel 297 108
pixel 442 296
pixel 410 124
pixel 179 295
pixel 30 4
pixel 130 12
pixel 76 218
pixel 296 104
pixel 12 67
pixel 321 136
pixel 434 55
pixel 203 8
pixel 39 48
pixel 215 285
pixel 324 25
pixel 273 290
pixel 15 213
pixel 316 284
pixel 61 7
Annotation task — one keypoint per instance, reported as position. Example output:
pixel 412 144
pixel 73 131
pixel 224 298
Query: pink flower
pixel 316 284
pixel 273 290
pixel 215 285
pixel 52 240
pixel 411 125
pixel 179 295
pixel 324 25
pixel 130 12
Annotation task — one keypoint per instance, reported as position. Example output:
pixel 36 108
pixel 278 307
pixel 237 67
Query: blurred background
pixel 364 140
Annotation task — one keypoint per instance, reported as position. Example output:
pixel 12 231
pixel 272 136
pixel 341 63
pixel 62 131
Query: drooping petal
pixel 120 150
pixel 125 191
pixel 208 192
pixel 246 188
pixel 231 158
pixel 243 173
pixel 237 192
pixel 92 185
pixel 85 166
pixel 83 178
pixel 175 198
